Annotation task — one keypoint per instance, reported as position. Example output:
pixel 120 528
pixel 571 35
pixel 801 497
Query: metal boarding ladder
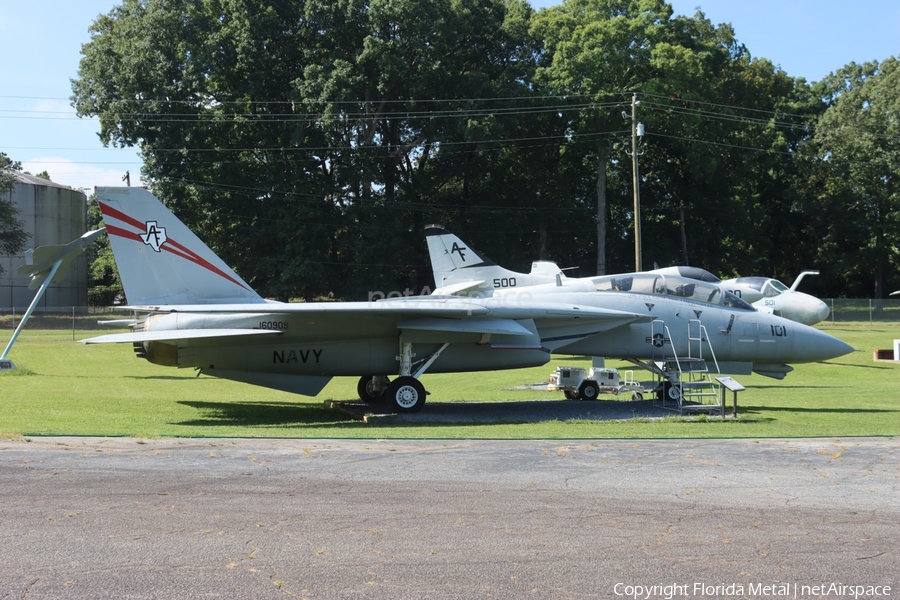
pixel 686 382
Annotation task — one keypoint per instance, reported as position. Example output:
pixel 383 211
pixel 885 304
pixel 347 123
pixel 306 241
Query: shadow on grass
pixel 160 377
pixel 781 386
pixel 266 414
pixel 795 409
pixel 435 414
pixel 882 367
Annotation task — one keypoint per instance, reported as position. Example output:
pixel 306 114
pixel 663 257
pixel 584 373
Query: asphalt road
pixel 126 518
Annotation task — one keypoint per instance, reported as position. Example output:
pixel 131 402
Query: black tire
pixel 405 394
pixel 589 390
pixel 367 392
pixel 671 391
pixel 571 394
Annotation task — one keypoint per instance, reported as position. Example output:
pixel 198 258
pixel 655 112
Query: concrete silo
pixel 52 214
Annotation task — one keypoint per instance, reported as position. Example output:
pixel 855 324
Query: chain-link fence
pixel 81 318
pixel 850 310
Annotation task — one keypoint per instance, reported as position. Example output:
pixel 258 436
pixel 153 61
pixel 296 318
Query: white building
pixel 52 214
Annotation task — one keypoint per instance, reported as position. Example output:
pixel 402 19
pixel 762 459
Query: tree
pixel 857 141
pixel 722 133
pixel 300 131
pixel 599 53
pixel 106 285
pixel 205 90
pixel 722 158
pixel 12 235
pixel 407 90
pixel 309 141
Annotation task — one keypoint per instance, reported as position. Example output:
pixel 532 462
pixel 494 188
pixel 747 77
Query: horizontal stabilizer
pixel 458 288
pixel 175 335
pixel 118 323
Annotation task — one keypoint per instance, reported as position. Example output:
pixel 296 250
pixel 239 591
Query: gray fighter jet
pixel 202 315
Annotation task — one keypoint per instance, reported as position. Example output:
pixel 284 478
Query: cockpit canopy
pixel 670 285
pixel 769 287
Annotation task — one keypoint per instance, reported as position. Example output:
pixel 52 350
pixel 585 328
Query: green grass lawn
pixel 66 388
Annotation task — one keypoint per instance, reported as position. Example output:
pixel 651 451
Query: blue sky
pixel 42 42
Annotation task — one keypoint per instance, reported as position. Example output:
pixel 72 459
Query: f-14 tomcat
pixel 202 315
pixel 688 311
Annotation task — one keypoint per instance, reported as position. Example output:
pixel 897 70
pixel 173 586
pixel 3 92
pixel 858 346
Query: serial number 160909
pixel 281 325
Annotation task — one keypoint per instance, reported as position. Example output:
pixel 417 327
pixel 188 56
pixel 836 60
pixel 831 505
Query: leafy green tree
pixel 600 52
pixel 721 131
pixel 298 130
pixel 721 154
pixel 408 90
pixel 205 90
pixel 857 141
pixel 106 285
pixel 309 141
pixel 12 235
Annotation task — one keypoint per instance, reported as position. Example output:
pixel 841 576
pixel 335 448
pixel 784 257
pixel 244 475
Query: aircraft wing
pixel 414 306
pixel 39 262
pixel 429 318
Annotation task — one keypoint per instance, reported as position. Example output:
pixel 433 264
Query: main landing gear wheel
pixel 670 391
pixel 406 394
pixel 369 392
pixel 589 390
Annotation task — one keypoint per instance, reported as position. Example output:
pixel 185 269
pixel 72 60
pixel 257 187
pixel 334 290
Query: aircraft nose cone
pixel 804 308
pixel 822 312
pixel 823 346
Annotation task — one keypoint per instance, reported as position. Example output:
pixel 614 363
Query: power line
pixel 524 141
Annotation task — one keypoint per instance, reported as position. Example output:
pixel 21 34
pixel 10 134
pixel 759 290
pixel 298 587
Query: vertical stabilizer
pixel 451 258
pixel 160 260
pixel 460 269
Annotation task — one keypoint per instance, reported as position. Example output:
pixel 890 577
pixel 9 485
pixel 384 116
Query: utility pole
pixel 637 130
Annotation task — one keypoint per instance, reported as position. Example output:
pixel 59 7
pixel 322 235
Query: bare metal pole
pixel 637 190
pixel 31 307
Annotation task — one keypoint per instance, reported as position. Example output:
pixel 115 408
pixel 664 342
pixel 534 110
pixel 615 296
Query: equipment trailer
pixel 579 384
